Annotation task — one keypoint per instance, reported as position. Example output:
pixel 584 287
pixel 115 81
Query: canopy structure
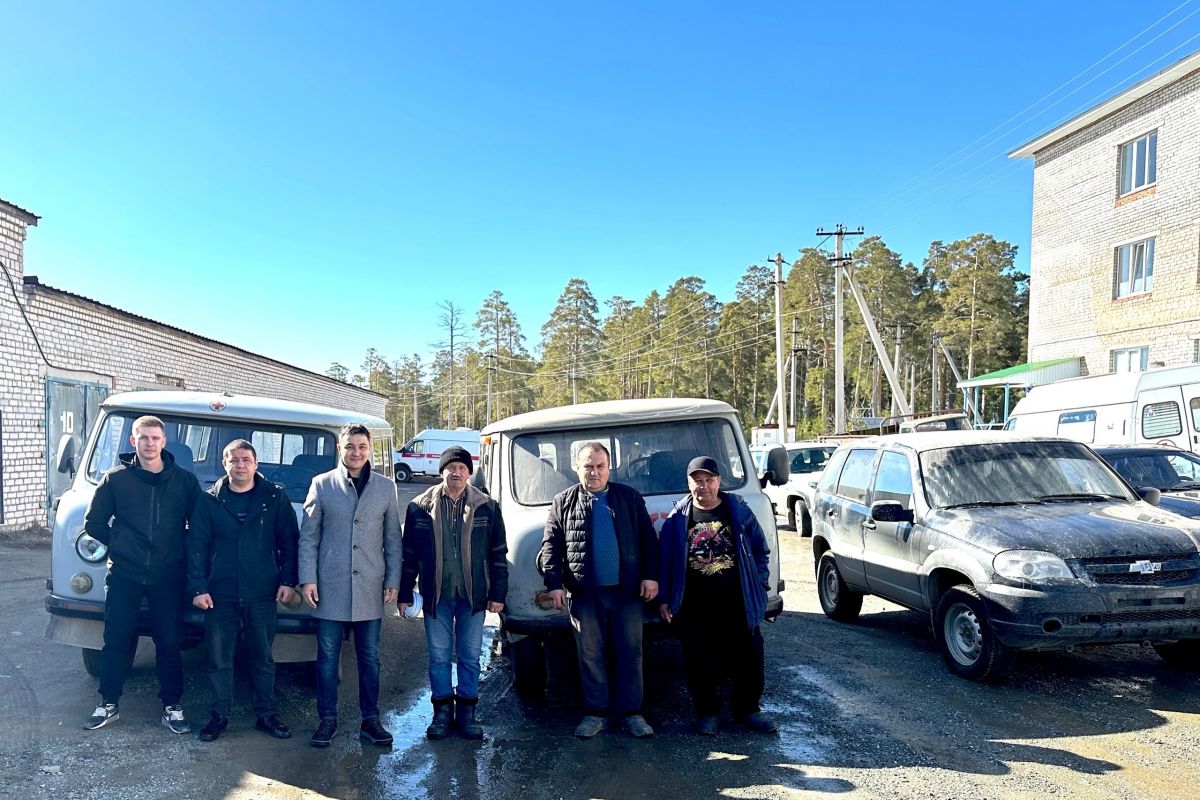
pixel 1035 373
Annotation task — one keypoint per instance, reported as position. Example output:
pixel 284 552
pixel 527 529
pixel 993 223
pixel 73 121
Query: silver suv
pixel 1007 542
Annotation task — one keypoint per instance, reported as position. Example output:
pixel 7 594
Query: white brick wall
pixel 1077 222
pixel 124 351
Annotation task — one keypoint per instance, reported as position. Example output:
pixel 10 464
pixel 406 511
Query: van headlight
pixel 1032 566
pixel 90 550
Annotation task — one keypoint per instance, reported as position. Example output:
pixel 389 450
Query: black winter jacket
pixel 142 517
pixel 484 550
pixel 248 560
pixel 564 559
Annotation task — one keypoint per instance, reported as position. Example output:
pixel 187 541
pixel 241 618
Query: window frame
pixel 1139 278
pixel 1149 169
pixel 1115 354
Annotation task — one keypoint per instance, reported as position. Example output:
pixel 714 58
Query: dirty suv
pixel 1007 542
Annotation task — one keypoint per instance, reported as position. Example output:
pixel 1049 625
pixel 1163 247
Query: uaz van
pixel 295 443
pixel 529 458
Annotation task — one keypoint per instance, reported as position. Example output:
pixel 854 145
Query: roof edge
pixel 28 217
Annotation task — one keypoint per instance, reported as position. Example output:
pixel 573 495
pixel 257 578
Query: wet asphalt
pixel 867 710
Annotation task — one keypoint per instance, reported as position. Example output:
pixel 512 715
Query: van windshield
pixel 651 458
pixel 287 456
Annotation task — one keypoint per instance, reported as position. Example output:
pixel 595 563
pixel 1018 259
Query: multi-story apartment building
pixel 1115 257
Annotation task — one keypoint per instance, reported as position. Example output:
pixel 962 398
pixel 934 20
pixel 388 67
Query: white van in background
pixel 1159 405
pixel 295 442
pixel 420 454
pixel 529 458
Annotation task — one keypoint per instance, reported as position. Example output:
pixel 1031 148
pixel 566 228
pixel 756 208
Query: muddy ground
pixel 867 710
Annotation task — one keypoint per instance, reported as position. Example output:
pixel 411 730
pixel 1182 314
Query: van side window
pixel 1194 407
pixel 833 471
pixel 1078 425
pixel 1160 420
pixel 893 481
pixel 417 447
pixel 856 476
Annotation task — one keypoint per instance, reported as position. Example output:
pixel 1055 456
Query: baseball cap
pixel 704 464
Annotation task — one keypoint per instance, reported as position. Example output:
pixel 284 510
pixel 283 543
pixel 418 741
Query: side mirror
pixel 889 511
pixel 1149 494
pixel 64 459
pixel 777 468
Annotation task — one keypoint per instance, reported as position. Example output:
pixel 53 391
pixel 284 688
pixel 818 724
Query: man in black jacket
pixel 140 512
pixel 241 561
pixel 600 544
pixel 454 540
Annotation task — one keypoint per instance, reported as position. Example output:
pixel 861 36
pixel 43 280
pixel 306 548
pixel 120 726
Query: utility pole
pixel 491 367
pixel 783 437
pixel 416 424
pixel 839 355
pixel 795 325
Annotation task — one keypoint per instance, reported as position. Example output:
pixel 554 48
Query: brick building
pixel 1115 257
pixel 60 350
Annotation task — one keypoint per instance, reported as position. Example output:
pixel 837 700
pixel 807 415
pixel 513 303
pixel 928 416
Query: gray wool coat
pixel 350 546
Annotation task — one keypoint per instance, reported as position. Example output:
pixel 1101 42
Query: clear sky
pixel 307 180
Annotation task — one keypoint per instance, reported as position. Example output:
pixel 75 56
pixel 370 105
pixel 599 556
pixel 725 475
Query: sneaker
pixel 760 723
pixel 174 720
pixel 636 724
pixel 324 733
pixel 707 726
pixel 375 733
pixel 104 714
pixel 273 725
pixel 213 728
pixel 589 727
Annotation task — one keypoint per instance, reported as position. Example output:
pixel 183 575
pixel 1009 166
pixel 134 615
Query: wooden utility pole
pixel 839 355
pixel 778 261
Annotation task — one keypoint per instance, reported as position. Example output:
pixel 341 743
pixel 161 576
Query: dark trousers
pixel 608 623
pixel 256 621
pixel 713 647
pixel 123 601
pixel 329 654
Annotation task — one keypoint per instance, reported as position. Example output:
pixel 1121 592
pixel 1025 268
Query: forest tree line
pixel 685 342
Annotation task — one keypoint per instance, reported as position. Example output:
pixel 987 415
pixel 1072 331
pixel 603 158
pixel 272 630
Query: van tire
pixel 403 473
pixel 529 666
pixel 91 659
pixel 965 637
pixel 838 601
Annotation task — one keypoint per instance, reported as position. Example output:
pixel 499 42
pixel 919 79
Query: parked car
pixel 1007 542
pixel 794 499
pixel 1174 472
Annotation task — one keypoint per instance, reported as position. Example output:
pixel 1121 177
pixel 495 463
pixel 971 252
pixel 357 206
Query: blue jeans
pixel 329 654
pixel 454 625
pixel 256 621
pixel 608 627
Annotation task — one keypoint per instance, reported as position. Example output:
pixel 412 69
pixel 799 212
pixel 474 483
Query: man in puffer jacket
pixel 140 512
pixel 600 544
pixel 454 540
pixel 714 593
pixel 241 561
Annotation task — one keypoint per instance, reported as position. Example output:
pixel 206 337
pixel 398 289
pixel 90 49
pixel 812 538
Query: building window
pixel 1131 359
pixel 1139 162
pixel 1196 350
pixel 1134 268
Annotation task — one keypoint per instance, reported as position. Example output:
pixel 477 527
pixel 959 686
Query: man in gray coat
pixel 349 570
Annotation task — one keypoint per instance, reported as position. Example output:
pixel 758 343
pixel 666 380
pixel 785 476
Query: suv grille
pixel 1121 571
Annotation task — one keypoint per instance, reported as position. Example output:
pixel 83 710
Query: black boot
pixel 443 718
pixel 464 717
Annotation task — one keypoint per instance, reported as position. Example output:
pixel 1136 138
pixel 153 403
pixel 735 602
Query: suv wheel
pixel 837 600
pixel 799 518
pixel 1181 655
pixel 965 636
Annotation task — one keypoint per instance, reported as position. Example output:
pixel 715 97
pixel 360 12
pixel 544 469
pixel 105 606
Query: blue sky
pixel 307 180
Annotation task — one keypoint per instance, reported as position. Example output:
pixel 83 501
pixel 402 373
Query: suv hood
pixel 1071 530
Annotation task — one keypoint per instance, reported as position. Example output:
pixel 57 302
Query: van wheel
pixel 91 659
pixel 1181 655
pixel 529 666
pixel 964 635
pixel 837 600
pixel 403 473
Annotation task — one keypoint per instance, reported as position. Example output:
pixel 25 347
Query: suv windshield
pixel 289 457
pixel 1167 472
pixel 650 458
pixel 1017 472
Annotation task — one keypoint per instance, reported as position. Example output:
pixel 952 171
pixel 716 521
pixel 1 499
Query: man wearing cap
pixel 600 544
pixel 714 593
pixel 454 542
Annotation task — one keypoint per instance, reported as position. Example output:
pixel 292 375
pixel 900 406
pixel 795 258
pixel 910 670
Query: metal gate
pixel 71 407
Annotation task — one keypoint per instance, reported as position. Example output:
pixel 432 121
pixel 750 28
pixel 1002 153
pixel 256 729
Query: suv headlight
pixel 1032 566
pixel 90 550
